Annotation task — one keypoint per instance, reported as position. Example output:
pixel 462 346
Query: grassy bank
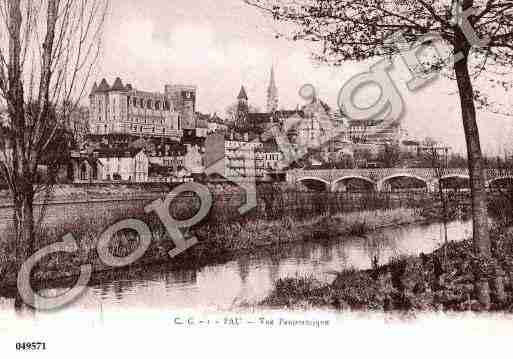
pixel 283 214
pixel 217 242
pixel 443 280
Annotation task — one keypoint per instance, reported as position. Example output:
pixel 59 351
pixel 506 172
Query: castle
pixel 122 109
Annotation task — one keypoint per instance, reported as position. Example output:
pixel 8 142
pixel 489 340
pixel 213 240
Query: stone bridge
pixel 379 177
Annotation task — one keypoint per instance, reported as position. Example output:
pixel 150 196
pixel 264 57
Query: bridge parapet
pixel 378 176
pixel 375 174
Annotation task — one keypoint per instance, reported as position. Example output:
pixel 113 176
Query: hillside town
pixel 127 135
pixel 301 162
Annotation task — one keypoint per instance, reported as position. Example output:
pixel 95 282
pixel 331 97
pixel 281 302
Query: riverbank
pixel 217 243
pixel 444 280
pixel 283 214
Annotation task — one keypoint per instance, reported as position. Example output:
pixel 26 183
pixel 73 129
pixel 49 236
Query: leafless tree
pixel 361 29
pixel 48 50
pixel 78 124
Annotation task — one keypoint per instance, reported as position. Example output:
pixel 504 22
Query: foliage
pixel 47 52
pixel 363 29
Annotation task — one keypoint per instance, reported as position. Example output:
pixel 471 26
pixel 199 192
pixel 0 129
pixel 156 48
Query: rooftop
pixel 242 94
pixel 117 152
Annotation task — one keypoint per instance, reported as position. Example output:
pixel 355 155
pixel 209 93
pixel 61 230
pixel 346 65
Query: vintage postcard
pixel 319 177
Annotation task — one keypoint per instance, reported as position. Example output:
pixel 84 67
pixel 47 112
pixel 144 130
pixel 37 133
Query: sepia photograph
pixel 320 177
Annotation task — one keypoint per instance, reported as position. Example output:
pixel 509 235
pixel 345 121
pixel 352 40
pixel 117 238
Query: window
pixel 134 101
pixel 148 104
pixel 141 103
pixel 157 105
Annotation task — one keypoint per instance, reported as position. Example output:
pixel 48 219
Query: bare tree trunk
pixel 475 161
pixel 24 227
pixel 444 209
pixel 24 213
pixel 481 235
pixel 61 64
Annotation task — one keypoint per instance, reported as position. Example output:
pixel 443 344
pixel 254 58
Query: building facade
pixel 373 131
pixel 193 160
pixel 268 160
pixel 122 109
pixel 183 98
pixel 234 155
pixel 123 164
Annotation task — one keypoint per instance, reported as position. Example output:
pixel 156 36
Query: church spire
pixel 242 94
pixel 242 111
pixel 272 94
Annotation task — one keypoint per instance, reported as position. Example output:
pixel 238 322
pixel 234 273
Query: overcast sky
pixel 220 44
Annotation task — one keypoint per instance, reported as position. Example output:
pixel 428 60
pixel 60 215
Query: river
pixel 250 278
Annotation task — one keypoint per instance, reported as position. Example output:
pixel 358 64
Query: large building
pixel 106 164
pixel 269 160
pixel 316 126
pixel 233 155
pixel 374 131
pixel 122 109
pixel 130 164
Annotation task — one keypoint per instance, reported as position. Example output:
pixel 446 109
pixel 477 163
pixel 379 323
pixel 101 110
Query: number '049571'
pixel 26 346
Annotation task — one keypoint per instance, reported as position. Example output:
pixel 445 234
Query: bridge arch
pixel 384 180
pixel 305 180
pixel 490 183
pixel 458 176
pixel 350 177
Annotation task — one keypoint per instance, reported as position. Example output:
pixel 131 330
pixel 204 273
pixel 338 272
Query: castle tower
pixel 272 94
pixel 183 98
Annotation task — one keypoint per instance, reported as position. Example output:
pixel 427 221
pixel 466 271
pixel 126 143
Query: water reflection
pixel 251 277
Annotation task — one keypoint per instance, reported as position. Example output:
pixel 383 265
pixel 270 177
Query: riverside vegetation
pixel 283 215
pixel 441 280
pixel 447 279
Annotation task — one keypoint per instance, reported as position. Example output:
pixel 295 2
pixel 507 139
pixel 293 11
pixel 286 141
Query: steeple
pixel 242 94
pixel 242 108
pixel 272 94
